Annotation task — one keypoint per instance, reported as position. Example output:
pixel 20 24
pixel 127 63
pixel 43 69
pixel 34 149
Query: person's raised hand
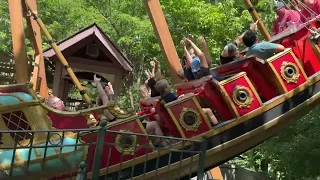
pixel 96 79
pixel 254 26
pixel 201 40
pixel 191 37
pixel 109 88
pixel 187 40
pixel 109 84
pixel 153 64
pixel 156 61
pixel 182 43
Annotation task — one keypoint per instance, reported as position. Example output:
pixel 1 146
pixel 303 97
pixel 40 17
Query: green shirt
pixel 262 50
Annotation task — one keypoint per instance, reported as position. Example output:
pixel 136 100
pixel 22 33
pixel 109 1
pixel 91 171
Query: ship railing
pixel 93 143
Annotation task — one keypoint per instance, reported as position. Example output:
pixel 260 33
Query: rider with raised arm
pixel 230 51
pixel 154 76
pixel 167 96
pixel 103 97
pixel 199 63
pixel 262 50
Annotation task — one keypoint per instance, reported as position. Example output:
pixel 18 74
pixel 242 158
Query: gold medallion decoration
pixel 242 96
pixel 289 72
pixel 125 143
pixel 190 119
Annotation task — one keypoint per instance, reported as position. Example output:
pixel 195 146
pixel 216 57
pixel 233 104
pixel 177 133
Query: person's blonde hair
pixel 143 92
pixel 52 99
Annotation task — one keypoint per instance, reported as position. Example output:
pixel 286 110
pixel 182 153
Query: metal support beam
pixel 39 73
pixel 256 17
pixel 18 41
pixel 60 56
pixel 162 31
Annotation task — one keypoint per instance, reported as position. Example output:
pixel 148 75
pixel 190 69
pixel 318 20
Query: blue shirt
pixel 195 64
pixel 262 50
pixel 188 74
pixel 169 97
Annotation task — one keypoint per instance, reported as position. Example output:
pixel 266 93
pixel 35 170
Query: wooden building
pixel 89 51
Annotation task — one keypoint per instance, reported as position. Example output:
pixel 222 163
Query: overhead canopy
pixel 77 43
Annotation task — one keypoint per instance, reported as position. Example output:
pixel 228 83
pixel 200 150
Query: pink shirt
pixel 306 15
pixel 282 23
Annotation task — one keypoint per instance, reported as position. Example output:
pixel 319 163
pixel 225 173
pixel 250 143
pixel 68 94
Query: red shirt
pixel 281 23
pixel 306 15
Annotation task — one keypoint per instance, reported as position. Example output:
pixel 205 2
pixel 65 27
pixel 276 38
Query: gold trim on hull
pixel 243 142
pixel 213 132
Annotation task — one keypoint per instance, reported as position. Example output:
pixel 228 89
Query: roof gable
pixel 99 35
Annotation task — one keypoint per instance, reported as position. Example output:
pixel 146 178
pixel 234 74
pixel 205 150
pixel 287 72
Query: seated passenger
pixel 167 96
pixel 144 92
pixel 230 51
pixel 285 17
pixel 190 62
pixel 186 73
pixel 204 47
pixel 102 98
pixel 153 127
pixel 57 103
pixel 154 76
pixel 262 50
pixel 199 64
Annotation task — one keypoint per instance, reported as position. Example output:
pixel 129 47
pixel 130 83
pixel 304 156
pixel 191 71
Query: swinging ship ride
pixel 256 99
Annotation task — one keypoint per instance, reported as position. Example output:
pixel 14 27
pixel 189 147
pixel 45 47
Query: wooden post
pixel 162 31
pixel 255 16
pixel 39 71
pixel 18 41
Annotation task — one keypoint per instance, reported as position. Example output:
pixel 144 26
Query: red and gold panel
pixel 256 71
pixel 302 48
pixel 188 116
pixel 117 144
pixel 167 125
pixel 287 70
pixel 66 122
pixel 208 94
pixel 242 95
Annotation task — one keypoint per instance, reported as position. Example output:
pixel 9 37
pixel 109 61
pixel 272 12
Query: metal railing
pixel 98 153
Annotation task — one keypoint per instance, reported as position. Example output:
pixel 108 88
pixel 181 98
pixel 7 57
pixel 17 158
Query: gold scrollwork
pixel 242 96
pixel 289 72
pixel 125 143
pixel 190 119
pixel 115 110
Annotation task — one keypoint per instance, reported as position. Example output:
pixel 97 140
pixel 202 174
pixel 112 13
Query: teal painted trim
pixel 6 100
pixel 99 150
pixel 56 164
pixel 202 158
